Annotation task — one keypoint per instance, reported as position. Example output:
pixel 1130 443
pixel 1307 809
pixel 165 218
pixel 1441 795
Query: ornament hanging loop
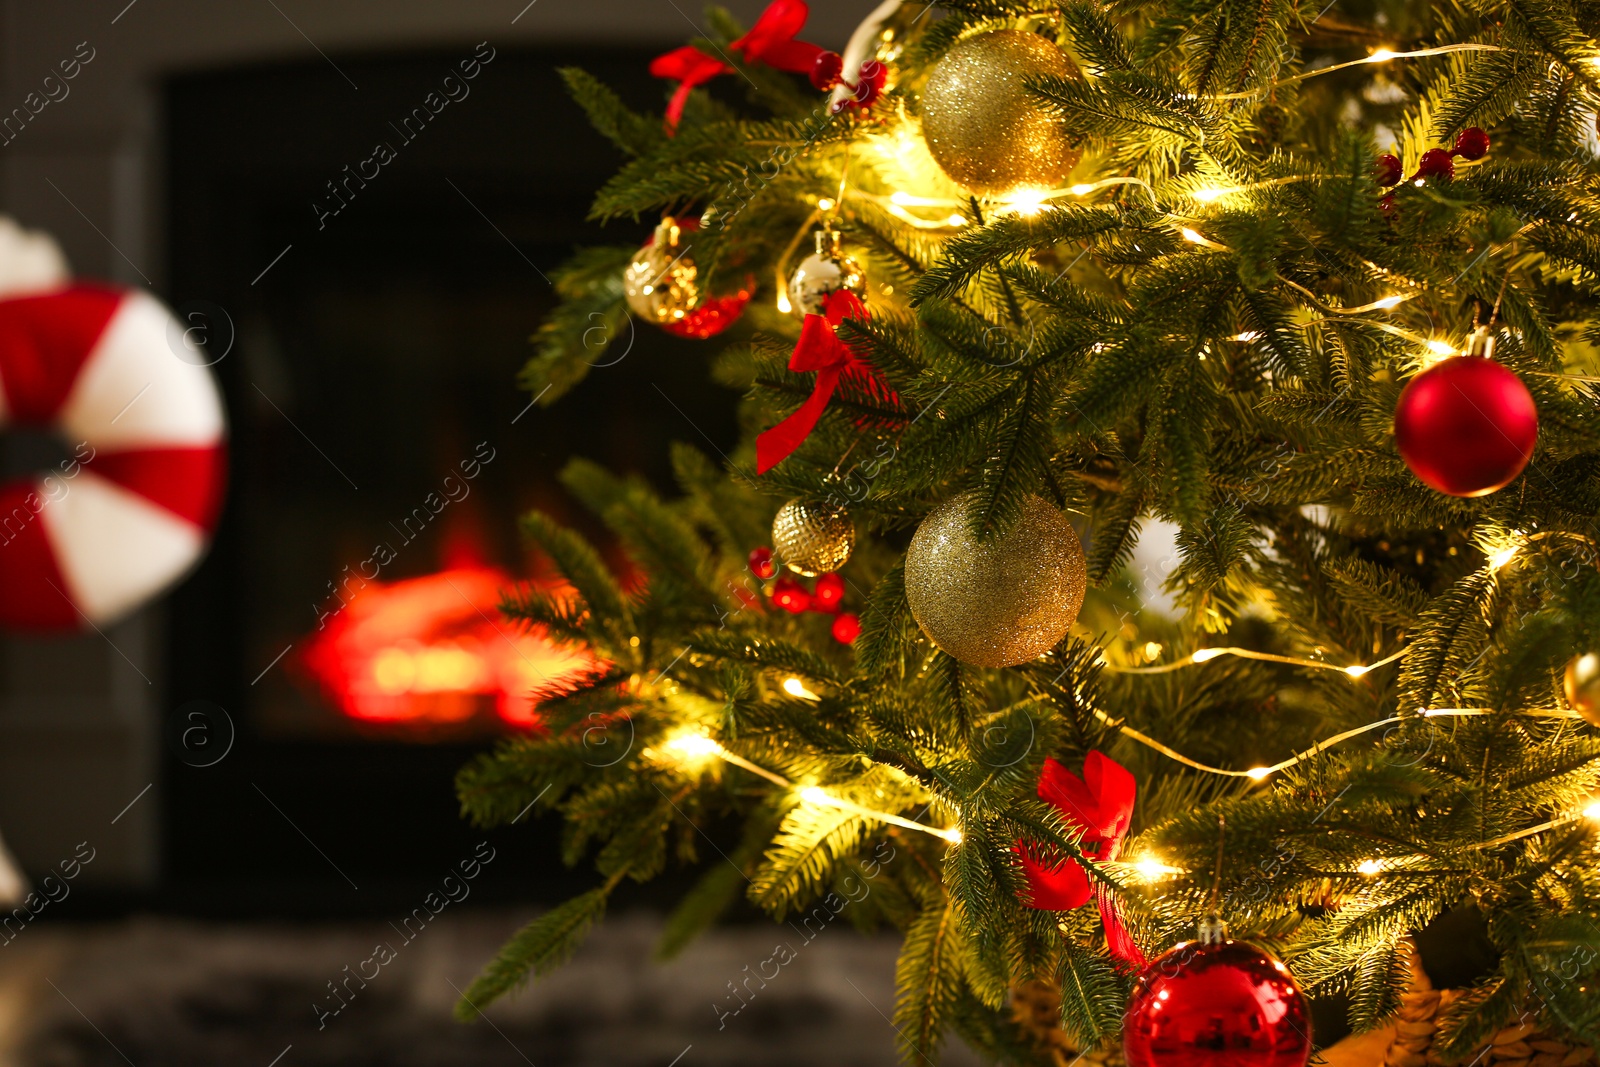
pixel 1481 343
pixel 1212 930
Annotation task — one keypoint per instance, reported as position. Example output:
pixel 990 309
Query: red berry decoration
pixel 1436 163
pixel 846 628
pixel 1472 143
pixel 1388 169
pixel 1466 426
pixel 1387 206
pixel 790 595
pixel 761 564
pixel 826 70
pixel 1224 1004
pixel 828 593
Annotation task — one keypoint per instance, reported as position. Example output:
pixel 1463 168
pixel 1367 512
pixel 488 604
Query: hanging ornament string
pixel 1382 55
pixel 1206 655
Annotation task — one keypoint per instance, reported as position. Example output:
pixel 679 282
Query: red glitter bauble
pixel 761 564
pixel 1472 143
pixel 1466 426
pixel 846 628
pixel 1436 163
pixel 1220 1005
pixel 828 593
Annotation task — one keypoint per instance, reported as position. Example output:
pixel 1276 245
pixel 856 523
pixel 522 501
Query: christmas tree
pixel 1006 285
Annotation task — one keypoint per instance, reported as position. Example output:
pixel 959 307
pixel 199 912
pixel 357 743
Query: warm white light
pixel 1502 557
pixel 783 302
pixel 825 204
pixel 1441 348
pixel 1026 202
pixel 1190 235
pixel 1370 867
pixel 1592 811
pixel 1152 649
pixel 1388 302
pixel 1205 196
pixel 952 835
pixel 796 688
pixel 903 199
pixel 1356 670
pixel 1380 56
pixel 1151 869
pixel 1081 189
pixel 955 220
pixel 1248 335
pixel 693 745
pixel 1200 655
pixel 1258 773
pixel 813 795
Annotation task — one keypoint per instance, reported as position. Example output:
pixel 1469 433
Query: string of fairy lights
pixel 696 746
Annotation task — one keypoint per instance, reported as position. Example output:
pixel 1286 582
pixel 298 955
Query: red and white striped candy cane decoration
pixel 134 507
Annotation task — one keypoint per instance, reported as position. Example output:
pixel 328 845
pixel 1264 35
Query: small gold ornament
pixel 662 284
pixel 1582 684
pixel 825 272
pixel 997 603
pixel 813 538
pixel 984 128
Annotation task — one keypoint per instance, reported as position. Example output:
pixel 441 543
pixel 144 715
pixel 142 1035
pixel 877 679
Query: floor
pixel 158 992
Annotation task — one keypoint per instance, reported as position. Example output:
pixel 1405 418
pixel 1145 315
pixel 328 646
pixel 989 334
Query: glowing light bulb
pixel 1207 195
pixel 1258 773
pixel 952 835
pixel 1081 189
pixel 1152 649
pixel 1441 348
pixel 1026 202
pixel 1201 655
pixel 1356 670
pixel 693 745
pixel 1369 867
pixel 825 204
pixel 903 199
pixel 1388 302
pixel 1191 235
pixel 1502 557
pixel 1592 811
pixel 1151 869
pixel 813 795
pixel 796 688
pixel 783 302
pixel 1380 56
pixel 955 220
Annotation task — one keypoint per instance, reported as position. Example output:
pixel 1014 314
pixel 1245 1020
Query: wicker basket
pixel 1407 1042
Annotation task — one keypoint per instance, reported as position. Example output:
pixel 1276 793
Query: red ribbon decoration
pixel 770 41
pixel 1100 805
pixel 818 349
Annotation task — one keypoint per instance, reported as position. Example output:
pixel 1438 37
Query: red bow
pixel 818 349
pixel 770 41
pixel 1100 805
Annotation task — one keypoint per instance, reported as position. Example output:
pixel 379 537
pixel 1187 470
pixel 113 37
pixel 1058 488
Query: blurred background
pixel 260 763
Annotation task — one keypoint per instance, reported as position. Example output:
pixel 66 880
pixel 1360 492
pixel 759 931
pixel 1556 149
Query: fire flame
pixel 435 650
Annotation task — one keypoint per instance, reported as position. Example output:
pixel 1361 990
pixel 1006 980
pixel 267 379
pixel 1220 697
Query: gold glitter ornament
pixel 825 272
pixel 813 538
pixel 1582 684
pixel 662 283
pixel 983 127
pixel 997 603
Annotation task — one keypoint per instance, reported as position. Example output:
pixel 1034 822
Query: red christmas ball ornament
pixel 761 564
pixel 711 317
pixel 846 628
pixel 1222 1004
pixel 790 595
pixel 1466 426
pixel 1388 169
pixel 826 69
pixel 1472 143
pixel 828 594
pixel 1436 163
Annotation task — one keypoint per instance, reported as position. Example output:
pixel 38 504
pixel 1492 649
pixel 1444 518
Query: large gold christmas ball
pixel 662 283
pixel 1582 684
pixel 825 272
pixel 1001 602
pixel 813 538
pixel 983 127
